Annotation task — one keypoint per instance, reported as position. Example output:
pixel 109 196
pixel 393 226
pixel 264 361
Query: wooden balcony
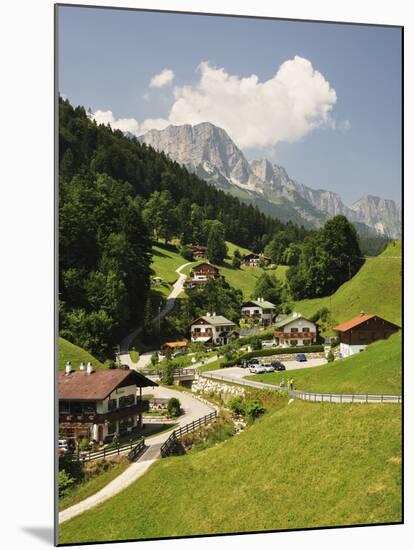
pixel 294 335
pixel 116 414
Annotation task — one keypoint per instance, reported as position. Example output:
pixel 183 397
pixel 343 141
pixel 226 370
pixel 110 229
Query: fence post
pixel 366 399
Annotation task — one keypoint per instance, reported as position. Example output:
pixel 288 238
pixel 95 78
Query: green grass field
pixel 92 486
pixel 165 261
pixel 378 369
pixel 75 354
pixel 302 465
pixel 376 288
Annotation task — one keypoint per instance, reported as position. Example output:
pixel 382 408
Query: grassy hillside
pixel 165 261
pixel 376 288
pixel 304 465
pixel 376 370
pixel 75 354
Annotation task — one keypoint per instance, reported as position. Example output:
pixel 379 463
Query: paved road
pixel 125 358
pixel 236 375
pixel 193 409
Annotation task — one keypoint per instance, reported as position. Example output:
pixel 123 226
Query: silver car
pixel 257 369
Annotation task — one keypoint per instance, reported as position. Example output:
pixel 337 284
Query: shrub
pixel 110 364
pixel 235 262
pixel 168 373
pixel 66 482
pixel 236 404
pixel 330 357
pixel 253 408
pixel 187 253
pixel 154 359
pixel 174 407
pixel 84 444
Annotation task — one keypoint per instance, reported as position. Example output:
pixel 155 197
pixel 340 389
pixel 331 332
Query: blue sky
pixel 347 138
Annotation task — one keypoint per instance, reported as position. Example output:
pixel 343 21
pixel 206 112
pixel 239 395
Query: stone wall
pixel 208 386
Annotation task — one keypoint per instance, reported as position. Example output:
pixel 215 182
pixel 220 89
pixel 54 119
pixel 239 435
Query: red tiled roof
pixel 182 344
pixel 353 322
pixel 99 384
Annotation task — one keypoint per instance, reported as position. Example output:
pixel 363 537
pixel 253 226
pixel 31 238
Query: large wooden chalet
pixel 202 273
pixel 357 333
pixel 199 250
pixel 254 260
pixel 98 405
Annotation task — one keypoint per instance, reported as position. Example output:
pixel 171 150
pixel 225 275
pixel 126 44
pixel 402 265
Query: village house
pixel 295 330
pixel 199 250
pixel 212 329
pixel 357 333
pixel 98 405
pixel 254 260
pixel 202 273
pixel 259 309
pixel 174 347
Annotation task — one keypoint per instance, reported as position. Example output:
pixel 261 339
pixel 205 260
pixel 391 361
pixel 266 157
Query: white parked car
pixel 257 369
pixel 268 367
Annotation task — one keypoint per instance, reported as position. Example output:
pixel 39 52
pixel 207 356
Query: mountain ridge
pixel 209 152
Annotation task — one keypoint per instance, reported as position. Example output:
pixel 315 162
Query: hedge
pixel 268 352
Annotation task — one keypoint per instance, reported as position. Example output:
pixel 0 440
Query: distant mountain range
pixel 209 152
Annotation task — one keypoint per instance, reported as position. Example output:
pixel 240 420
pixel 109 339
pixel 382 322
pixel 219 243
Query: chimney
pixel 362 313
pixel 68 367
pixel 82 366
pixel 208 314
pixel 89 368
pixel 214 314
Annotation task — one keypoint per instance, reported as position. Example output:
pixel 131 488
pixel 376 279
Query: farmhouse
pixel 295 330
pixel 259 309
pixel 357 333
pixel 253 260
pixel 100 404
pixel 214 329
pixel 199 250
pixel 201 273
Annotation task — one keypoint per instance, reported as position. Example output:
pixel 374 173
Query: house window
pixel 293 342
pixel 306 342
pixel 306 329
pixel 130 422
pixel 123 426
pixel 112 404
pixel 126 401
pixel 294 329
pixel 89 408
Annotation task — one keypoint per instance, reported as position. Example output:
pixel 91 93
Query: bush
pixel 154 359
pixel 110 364
pixel 168 373
pixel 174 407
pixel 66 482
pixel 84 444
pixel 249 408
pixel 330 357
pixel 187 253
pixel 235 262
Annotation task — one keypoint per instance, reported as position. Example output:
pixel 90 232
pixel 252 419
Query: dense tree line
pixel 328 258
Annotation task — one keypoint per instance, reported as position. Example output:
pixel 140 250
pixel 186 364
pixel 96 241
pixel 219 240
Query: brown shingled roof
pixel 99 384
pixel 353 322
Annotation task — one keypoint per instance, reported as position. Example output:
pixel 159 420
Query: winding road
pixel 145 358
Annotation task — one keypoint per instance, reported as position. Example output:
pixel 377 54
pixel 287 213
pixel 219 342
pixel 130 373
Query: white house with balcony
pixel 259 309
pixel 212 329
pixel 295 330
pixel 97 405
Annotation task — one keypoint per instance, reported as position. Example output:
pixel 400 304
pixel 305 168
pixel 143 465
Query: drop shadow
pixel 42 533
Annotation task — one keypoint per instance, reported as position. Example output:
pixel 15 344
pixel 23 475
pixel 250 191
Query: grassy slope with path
pixel 376 288
pixel 75 354
pixel 93 485
pixel 378 369
pixel 165 261
pixel 232 494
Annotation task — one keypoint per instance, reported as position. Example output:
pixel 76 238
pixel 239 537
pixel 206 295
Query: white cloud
pixel 123 124
pixel 287 107
pixel 162 79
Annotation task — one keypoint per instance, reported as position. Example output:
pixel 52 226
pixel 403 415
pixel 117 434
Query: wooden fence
pixel 105 452
pixel 167 446
pixel 345 398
